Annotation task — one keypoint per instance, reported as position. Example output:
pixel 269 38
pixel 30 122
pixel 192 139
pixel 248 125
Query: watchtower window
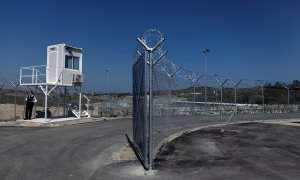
pixel 72 62
pixel 76 63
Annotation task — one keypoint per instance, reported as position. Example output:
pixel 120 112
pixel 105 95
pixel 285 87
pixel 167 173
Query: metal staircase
pixel 84 113
pixel 72 109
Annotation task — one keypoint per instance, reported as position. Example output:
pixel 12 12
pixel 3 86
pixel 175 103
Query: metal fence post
pixel 235 91
pixel 149 121
pixel 288 100
pixel 46 102
pixel 194 99
pixel 65 101
pixel 150 110
pixel 289 109
pixel 261 85
pixel 15 103
pixel 80 97
pixel 221 84
pixel 263 98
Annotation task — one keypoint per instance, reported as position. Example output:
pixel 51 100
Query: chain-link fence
pixel 140 110
pixel 12 100
pixel 102 105
pixel 60 102
pixel 168 98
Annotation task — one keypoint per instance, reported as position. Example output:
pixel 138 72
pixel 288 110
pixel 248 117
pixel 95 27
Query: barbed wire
pixel 174 71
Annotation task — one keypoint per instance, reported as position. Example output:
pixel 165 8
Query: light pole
pixel 108 88
pixel 205 52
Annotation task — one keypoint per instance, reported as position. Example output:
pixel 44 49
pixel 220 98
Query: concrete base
pixel 55 122
pixel 43 120
pixel 150 172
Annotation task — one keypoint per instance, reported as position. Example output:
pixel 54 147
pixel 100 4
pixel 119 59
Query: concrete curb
pixel 56 124
pixel 287 122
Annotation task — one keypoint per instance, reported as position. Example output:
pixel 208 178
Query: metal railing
pixel 33 75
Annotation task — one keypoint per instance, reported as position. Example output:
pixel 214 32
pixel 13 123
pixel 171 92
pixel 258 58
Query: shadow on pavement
pixel 240 151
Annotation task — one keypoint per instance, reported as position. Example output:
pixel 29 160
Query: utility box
pixel 64 65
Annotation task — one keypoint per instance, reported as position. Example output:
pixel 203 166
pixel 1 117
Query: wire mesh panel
pixel 140 106
pixel 12 97
pixel 161 106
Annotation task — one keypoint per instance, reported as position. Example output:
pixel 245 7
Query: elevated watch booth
pixel 63 69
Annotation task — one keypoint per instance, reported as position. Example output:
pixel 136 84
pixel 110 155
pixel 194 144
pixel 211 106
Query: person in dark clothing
pixel 30 100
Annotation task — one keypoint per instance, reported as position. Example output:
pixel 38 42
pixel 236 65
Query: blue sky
pixel 250 39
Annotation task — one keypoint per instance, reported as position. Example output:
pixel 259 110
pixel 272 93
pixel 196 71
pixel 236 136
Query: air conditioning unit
pixel 77 78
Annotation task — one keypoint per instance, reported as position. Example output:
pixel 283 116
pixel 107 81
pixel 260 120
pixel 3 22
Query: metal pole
pixel 263 98
pixel 235 97
pixel 65 101
pixel 1 92
pixel 88 106
pixel 205 51
pixel 150 110
pixel 215 92
pixel 221 103
pixel 35 103
pixel 221 87
pixel 79 109
pixel 20 80
pixel 36 76
pixel 15 103
pixel 235 90
pixel 32 78
pixel 205 82
pixel 108 90
pixel 289 111
pixel 146 109
pixel 108 85
pixel 170 107
pixel 194 100
pixel 149 127
pixel 46 101
pixel 288 90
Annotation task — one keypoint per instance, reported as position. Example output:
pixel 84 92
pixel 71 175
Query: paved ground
pixel 241 151
pixel 88 151
pixel 59 121
pixel 68 152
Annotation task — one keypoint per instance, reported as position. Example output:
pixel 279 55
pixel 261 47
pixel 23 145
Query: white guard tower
pixel 64 68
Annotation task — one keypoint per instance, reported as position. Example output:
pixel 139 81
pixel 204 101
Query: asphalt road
pixel 68 152
pixel 239 151
pixel 84 152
